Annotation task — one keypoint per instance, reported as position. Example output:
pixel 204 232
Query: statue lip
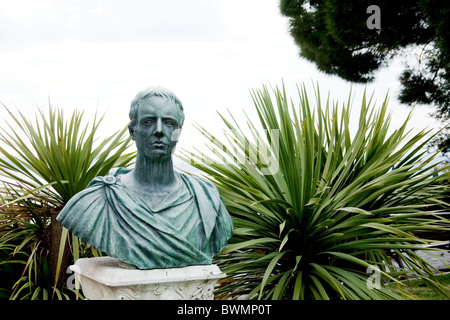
pixel 158 144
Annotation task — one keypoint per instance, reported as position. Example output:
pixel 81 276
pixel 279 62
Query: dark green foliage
pixel 43 163
pixel 339 202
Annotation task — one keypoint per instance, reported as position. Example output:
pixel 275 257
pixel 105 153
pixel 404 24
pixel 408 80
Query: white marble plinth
pixel 102 279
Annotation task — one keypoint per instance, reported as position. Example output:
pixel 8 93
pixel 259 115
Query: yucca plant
pixel 319 211
pixel 46 161
pixel 52 149
pixel 24 243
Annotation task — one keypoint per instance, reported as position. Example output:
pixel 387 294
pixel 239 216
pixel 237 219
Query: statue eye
pixel 170 123
pixel 148 122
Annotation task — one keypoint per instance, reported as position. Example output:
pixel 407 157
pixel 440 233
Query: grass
pixel 423 292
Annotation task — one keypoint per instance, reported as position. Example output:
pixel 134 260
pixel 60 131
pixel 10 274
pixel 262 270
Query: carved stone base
pixel 103 279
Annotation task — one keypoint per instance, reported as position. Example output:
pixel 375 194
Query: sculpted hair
pixel 151 92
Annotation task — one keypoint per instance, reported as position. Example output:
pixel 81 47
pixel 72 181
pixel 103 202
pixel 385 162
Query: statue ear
pixel 131 131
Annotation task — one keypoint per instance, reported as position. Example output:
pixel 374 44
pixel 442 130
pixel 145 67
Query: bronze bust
pixel 152 216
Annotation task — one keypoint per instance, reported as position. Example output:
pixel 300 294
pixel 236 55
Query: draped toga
pixel 186 227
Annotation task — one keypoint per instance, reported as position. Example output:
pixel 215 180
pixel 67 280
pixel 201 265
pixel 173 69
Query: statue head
pixel 156 118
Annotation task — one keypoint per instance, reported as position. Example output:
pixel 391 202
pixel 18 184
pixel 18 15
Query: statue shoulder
pixel 90 202
pixel 205 183
pixel 110 178
pixel 203 189
pixel 118 171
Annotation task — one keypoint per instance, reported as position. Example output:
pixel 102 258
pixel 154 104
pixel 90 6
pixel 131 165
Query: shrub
pixel 43 163
pixel 336 209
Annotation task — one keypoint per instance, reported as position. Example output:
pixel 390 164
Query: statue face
pixel 157 128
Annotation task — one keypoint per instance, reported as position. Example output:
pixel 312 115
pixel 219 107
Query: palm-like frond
pixel 62 152
pixel 332 204
pixel 43 163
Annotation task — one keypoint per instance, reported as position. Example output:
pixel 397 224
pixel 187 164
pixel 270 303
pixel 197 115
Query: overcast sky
pixel 97 54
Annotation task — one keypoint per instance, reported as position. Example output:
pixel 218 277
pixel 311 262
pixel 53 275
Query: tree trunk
pixel 56 229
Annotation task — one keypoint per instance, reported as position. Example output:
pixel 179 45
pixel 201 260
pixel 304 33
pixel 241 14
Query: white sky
pixel 97 54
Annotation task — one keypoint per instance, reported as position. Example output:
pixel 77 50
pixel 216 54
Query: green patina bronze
pixel 152 216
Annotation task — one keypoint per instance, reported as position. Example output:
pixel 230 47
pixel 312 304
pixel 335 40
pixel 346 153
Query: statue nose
pixel 158 130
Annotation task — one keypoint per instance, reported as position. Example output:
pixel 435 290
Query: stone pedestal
pixel 103 279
